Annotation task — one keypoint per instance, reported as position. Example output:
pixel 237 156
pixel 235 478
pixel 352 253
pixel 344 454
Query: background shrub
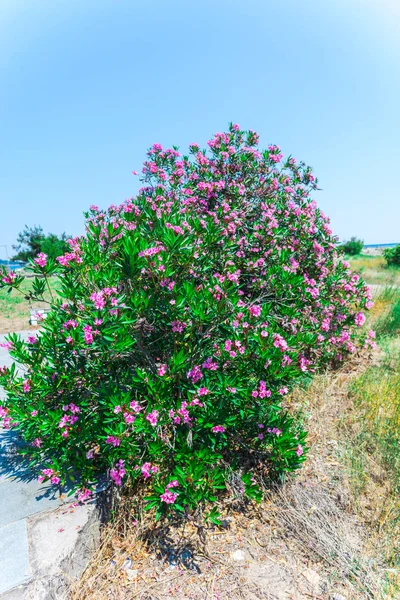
pixel 353 247
pixel 392 256
pixel 186 316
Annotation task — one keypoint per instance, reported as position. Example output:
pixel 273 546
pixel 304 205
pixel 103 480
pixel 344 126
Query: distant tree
pixel 33 240
pixel 54 246
pixel 28 243
pixel 353 247
pixel 392 256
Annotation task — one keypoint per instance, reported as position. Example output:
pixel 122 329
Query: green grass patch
pixel 373 449
pixel 386 312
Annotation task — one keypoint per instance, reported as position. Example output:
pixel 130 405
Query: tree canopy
pixel 32 240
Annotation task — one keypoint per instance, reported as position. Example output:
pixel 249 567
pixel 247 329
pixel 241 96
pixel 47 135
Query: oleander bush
pixel 392 256
pixel 185 317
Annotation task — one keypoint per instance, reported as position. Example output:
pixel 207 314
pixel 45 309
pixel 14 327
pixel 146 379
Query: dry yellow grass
pixel 375 271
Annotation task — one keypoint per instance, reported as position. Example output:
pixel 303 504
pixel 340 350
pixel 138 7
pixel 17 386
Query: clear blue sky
pixel 88 85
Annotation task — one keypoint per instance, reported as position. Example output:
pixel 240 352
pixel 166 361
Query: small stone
pixel 132 573
pixel 224 524
pixel 172 559
pixel 312 577
pixel 337 597
pixel 127 564
pixel 238 555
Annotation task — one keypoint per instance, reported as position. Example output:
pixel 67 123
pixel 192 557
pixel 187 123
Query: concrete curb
pixel 60 545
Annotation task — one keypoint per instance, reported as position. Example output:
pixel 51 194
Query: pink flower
pixel 55 480
pixel 90 454
pixel 10 278
pixel 178 326
pixel 168 497
pixel 218 429
pixel 27 386
pixel 255 310
pixel 299 450
pixel 146 467
pixel 98 300
pixel 6 345
pixel 37 442
pixel 304 363
pixel 41 259
pixel 162 370
pixel 118 472
pixel 113 441
pixel 88 334
pixel 210 364
pixel 47 473
pixel 280 342
pixel 83 494
pixel 68 257
pixel 33 413
pixel 195 374
pixel 152 251
pixel 359 319
pixel 172 484
pixel 71 324
pixel 152 417
pixel 32 339
pixel 274 431
pixel 203 391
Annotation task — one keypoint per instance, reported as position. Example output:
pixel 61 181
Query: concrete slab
pixel 23 498
pixel 14 563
